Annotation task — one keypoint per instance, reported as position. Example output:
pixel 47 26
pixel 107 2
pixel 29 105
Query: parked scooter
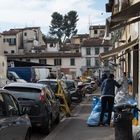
pixel 90 87
pixel 76 96
pixel 74 91
pixel 81 88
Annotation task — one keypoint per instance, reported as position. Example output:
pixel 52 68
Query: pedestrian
pixel 107 98
pixel 104 76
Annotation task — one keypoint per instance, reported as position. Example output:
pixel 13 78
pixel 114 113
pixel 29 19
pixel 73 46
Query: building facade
pixel 125 29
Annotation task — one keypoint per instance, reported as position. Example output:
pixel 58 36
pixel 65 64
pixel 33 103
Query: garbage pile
pixel 121 97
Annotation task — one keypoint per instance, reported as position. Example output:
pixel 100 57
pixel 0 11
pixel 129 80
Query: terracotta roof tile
pixel 17 30
pixel 43 55
pixel 97 27
pixel 95 42
pixel 10 32
pixel 69 47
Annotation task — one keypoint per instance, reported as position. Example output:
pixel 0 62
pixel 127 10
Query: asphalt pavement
pixel 75 127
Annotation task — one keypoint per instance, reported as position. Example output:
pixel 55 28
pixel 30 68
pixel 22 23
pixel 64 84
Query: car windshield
pixel 14 74
pixel 53 85
pixel 24 92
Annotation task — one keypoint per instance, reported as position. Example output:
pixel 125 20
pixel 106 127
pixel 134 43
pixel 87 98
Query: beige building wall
pixel 93 34
pixel 3 64
pixel 1 45
pixel 75 40
pixel 32 38
pixel 9 48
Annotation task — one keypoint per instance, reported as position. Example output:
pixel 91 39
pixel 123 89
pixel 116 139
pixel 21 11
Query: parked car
pixel 39 103
pixel 14 125
pixel 12 76
pixel 57 86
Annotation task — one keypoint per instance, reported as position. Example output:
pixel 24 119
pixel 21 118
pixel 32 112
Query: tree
pixel 63 27
pixel 56 26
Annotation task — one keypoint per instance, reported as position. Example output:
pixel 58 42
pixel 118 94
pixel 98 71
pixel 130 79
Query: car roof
pixel 26 85
pixel 3 90
pixel 55 80
pixel 69 80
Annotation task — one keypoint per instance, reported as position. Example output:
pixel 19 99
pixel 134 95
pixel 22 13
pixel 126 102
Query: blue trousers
pixel 107 103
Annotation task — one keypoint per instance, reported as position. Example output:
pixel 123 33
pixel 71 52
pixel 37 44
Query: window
pixel 12 51
pixel 25 34
pixel 42 61
pixel 88 51
pixel 51 44
pixel 77 51
pixel 72 62
pixel 11 41
pixel 88 62
pixel 95 31
pixel 97 51
pixel 106 49
pixel 57 62
pixel 97 62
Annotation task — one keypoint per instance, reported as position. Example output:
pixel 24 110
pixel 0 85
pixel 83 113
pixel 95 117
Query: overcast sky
pixel 28 13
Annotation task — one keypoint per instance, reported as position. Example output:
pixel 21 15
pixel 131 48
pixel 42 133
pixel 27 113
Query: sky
pixel 37 13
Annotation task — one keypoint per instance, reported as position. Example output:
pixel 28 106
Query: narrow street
pixel 75 127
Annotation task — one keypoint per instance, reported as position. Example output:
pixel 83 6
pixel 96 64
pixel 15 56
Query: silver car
pixel 13 124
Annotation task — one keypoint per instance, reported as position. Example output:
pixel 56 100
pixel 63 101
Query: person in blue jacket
pixel 104 76
pixel 107 97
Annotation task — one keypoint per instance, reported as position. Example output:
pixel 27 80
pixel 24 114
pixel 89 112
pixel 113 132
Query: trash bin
pixel 123 121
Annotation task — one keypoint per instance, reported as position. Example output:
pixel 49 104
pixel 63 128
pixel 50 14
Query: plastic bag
pixel 96 105
pixel 95 101
pixel 94 118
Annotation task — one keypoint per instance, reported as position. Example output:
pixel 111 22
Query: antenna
pixel 89 20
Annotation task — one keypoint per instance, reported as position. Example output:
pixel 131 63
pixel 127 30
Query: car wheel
pixel 57 120
pixel 28 135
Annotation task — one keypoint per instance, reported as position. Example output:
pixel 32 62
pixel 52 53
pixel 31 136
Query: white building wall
pixel 76 68
pixel 34 60
pixel 66 64
pixel 92 34
pixel 92 56
pixel 55 47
